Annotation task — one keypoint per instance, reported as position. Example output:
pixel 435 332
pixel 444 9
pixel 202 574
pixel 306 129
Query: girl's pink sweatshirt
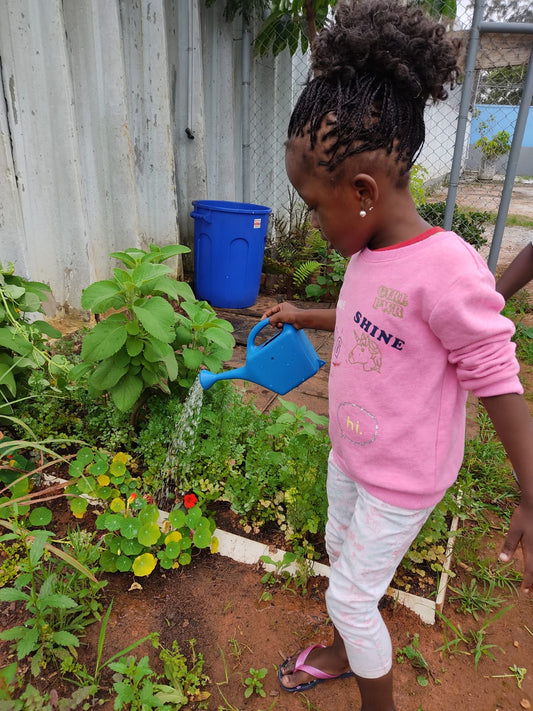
pixel 417 326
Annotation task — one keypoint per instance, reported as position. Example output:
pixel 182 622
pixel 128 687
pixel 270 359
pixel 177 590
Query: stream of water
pixel 183 440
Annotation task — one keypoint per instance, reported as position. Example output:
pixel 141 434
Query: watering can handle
pixel 250 344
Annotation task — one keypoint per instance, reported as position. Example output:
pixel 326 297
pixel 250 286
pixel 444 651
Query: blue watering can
pixel 279 364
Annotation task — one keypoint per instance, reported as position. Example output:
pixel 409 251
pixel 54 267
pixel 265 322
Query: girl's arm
pixel 517 274
pixel 512 421
pixel 323 319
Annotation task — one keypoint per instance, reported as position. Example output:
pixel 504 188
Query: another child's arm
pixel 513 423
pixel 323 319
pixel 517 274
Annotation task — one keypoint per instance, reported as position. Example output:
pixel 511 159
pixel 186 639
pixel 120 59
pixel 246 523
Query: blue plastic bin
pixel 229 245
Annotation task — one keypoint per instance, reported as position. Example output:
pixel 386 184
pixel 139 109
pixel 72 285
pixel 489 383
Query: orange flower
pixel 190 500
pixel 132 497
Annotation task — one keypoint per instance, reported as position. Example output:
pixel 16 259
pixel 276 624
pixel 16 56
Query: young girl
pixel 417 325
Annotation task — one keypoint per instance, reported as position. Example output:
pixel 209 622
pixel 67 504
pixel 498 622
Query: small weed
pixel 473 640
pixel 473 600
pixel 253 683
pixel 517 672
pixel 413 655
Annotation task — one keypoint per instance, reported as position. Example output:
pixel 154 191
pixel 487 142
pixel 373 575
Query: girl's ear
pixel 366 188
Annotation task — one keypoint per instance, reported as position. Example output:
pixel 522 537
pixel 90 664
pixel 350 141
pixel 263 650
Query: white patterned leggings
pixel 366 540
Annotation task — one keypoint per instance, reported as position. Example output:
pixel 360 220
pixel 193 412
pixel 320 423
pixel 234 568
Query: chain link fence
pixel 501 66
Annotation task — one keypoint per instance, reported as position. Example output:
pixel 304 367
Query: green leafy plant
pixel 517 672
pixel 474 601
pixel 468 224
pixel 497 145
pixel 136 538
pixel 474 640
pixel 54 602
pixel 412 654
pixel 186 676
pixel 135 347
pixel 253 684
pixel 23 346
pixel 139 688
pixel 329 281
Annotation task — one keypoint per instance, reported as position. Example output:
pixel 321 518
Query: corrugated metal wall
pixel 116 114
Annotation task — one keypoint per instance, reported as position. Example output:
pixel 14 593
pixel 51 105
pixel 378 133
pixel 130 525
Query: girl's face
pixel 335 204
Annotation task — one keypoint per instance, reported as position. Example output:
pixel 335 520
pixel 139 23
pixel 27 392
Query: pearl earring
pixel 362 213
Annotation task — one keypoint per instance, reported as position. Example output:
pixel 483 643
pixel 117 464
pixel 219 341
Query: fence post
pixel 510 175
pixel 462 121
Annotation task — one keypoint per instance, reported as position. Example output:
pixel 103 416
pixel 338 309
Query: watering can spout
pixel 207 378
pixel 280 364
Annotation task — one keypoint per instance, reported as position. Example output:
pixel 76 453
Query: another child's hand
pixel 521 532
pixel 283 313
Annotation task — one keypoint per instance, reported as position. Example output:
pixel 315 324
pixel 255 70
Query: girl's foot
pixel 313 666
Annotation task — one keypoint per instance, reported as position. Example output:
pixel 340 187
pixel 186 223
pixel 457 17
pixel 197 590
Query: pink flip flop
pixel 302 666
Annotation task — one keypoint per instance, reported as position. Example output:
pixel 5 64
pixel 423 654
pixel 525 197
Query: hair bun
pixel 385 39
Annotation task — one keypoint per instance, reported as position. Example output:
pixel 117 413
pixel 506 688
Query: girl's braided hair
pixel 375 69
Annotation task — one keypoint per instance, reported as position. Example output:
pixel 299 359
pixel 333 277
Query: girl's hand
pixel 283 313
pixel 521 531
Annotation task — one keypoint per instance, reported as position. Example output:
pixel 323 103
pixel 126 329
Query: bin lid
pixel 246 208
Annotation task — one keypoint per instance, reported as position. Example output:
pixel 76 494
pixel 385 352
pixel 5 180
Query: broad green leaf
pixel 220 337
pixel 148 534
pixel 12 595
pixel 177 518
pixel 84 456
pixel 130 527
pixel 149 514
pixel 15 342
pixel 174 289
pixel 127 391
pixel 105 339
pixel 144 564
pixel 147 272
pixel 38 545
pixel 123 563
pixel 202 537
pixel 7 378
pixel 28 643
pixel 78 506
pixel 107 374
pixel 40 516
pixel 131 547
pixel 171 365
pixel 108 521
pixel 29 303
pixel 173 549
pixel 117 466
pixel 134 346
pixel 47 329
pixel 157 317
pixel 156 350
pixel 172 250
pixel 108 562
pixel 14 292
pixel 58 601
pixel 65 639
pixel 100 296
pixel 193 358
